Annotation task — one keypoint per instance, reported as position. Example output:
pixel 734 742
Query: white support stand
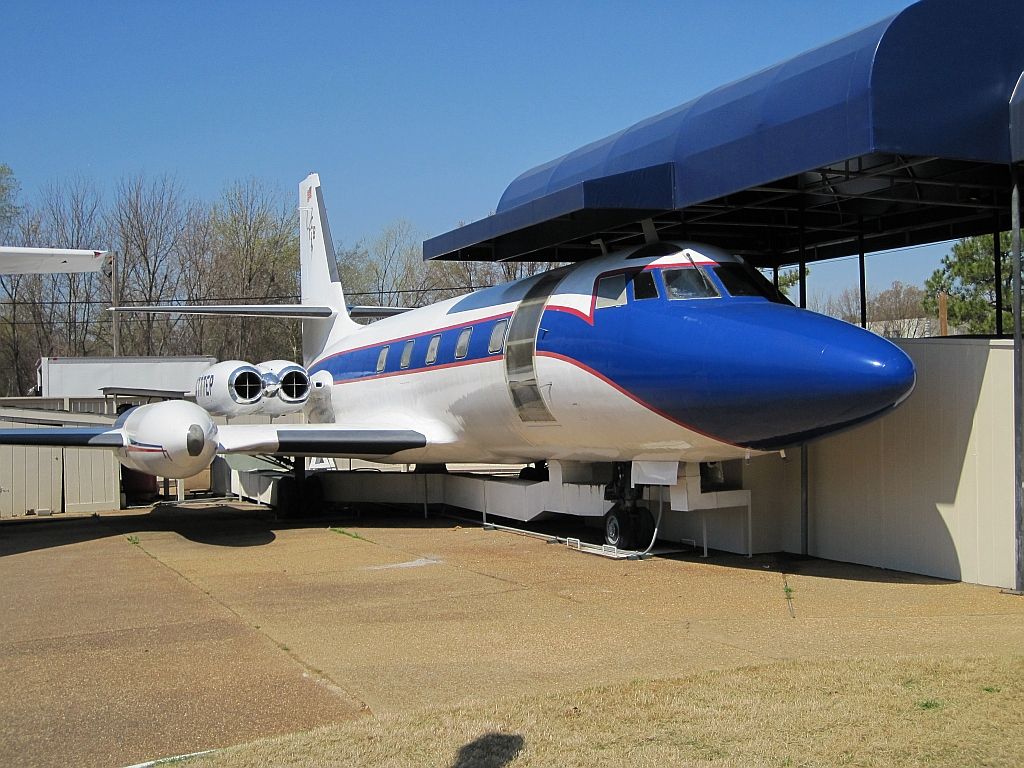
pixel 686 496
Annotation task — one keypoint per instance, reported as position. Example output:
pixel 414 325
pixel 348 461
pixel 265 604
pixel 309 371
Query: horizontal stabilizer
pixel 235 310
pixel 84 437
pixel 300 311
pixel 316 440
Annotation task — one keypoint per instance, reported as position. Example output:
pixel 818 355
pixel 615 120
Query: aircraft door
pixel 521 348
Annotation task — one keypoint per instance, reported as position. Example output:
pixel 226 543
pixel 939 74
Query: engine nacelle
pixel 285 387
pixel 230 388
pixel 236 388
pixel 171 439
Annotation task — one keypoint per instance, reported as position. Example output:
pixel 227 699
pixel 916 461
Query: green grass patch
pixel 350 534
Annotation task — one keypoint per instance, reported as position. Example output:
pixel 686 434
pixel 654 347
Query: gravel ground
pixel 140 635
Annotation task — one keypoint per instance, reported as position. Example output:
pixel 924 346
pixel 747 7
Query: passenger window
pixel 462 345
pixel 689 283
pixel 407 354
pixel 644 286
pixel 611 291
pixel 382 359
pixel 435 342
pixel 497 337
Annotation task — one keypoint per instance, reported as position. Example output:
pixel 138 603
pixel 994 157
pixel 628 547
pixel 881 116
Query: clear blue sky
pixel 422 111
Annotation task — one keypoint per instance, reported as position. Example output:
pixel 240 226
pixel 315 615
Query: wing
pixel 315 440
pixel 82 437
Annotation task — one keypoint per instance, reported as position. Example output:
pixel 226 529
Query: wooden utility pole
pixel 943 314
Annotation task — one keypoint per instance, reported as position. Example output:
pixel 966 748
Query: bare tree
pixel 256 259
pixel 148 221
pixel 898 312
pixel 196 282
pixel 72 217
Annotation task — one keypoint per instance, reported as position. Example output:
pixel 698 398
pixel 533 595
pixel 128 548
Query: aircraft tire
pixel 618 528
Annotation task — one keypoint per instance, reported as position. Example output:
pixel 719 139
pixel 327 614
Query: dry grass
pixel 865 712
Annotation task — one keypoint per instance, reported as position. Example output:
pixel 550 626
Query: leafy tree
pixel 788 279
pixel 967 275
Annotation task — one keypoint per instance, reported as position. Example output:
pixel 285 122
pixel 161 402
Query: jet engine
pixel 237 388
pixel 171 439
pixel 285 387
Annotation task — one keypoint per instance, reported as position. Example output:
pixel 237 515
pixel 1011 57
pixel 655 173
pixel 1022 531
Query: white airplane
pixel 669 351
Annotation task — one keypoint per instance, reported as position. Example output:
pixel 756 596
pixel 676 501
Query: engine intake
pixel 237 388
pixel 285 387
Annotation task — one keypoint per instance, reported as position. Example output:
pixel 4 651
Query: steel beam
pixel 1018 394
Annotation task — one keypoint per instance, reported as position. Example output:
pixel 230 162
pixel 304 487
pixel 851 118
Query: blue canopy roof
pixel 898 133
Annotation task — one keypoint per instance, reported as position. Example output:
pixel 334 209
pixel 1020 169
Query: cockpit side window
pixel 740 279
pixel 688 283
pixel 611 291
pixel 644 286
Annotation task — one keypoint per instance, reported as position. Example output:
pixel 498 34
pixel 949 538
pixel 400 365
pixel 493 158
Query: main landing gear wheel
pixel 616 528
pixel 628 529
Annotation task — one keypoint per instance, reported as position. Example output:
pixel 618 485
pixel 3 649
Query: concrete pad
pixel 222 624
pixel 108 657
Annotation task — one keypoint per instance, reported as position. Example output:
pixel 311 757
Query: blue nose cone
pixel 847 378
pixel 778 376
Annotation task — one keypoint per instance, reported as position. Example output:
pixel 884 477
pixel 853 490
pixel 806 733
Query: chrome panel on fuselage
pixel 521 350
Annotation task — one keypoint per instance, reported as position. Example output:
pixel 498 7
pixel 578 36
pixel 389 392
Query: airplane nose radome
pixel 857 376
pixel 878 375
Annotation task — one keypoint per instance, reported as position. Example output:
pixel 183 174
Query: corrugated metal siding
pixel 92 480
pixel 30 478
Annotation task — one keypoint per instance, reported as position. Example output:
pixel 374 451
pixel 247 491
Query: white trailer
pixel 87 376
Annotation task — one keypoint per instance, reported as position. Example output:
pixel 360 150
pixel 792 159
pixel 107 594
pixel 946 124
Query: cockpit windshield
pixel 741 279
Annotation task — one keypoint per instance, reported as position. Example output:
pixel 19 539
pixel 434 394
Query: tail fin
pixel 319 273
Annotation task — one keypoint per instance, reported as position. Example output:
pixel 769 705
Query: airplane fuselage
pixel 672 352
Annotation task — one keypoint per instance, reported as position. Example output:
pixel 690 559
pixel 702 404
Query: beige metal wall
pixel 35 480
pixel 926 489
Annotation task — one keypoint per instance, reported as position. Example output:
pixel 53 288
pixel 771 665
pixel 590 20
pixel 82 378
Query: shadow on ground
pixel 246 525
pixel 492 750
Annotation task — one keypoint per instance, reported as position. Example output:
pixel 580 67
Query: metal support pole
pixel 1018 393
pixel 803 277
pixel 804 499
pixel 997 259
pixel 863 274
pixel 115 319
pixel 804 507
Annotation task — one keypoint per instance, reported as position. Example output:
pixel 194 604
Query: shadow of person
pixel 492 750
